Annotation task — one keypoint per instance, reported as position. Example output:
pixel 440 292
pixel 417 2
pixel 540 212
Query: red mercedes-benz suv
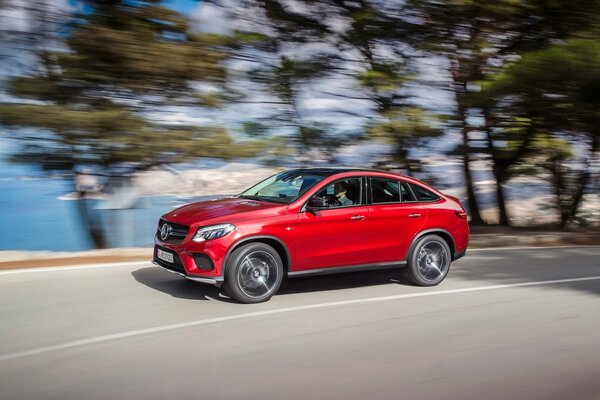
pixel 313 221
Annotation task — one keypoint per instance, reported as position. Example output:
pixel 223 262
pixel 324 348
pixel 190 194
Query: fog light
pixel 203 262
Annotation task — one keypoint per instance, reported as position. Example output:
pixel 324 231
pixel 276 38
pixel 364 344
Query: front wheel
pixel 429 261
pixel 254 273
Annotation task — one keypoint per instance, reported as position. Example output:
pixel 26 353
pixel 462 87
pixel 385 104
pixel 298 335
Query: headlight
pixel 212 232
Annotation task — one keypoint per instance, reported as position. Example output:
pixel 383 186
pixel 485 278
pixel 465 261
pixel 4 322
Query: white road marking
pixel 74 267
pixel 134 263
pixel 163 328
pixel 566 246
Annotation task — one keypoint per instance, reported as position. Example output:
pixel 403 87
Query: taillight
pixel 462 214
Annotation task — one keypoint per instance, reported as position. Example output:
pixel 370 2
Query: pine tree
pixel 94 106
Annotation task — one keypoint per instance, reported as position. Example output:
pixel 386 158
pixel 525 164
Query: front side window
pixel 385 191
pixel 284 187
pixel 342 193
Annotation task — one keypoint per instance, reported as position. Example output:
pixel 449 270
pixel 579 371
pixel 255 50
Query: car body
pixel 312 221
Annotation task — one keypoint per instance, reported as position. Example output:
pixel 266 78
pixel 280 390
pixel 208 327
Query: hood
pixel 229 209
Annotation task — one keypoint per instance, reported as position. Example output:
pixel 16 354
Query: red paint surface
pixel 321 239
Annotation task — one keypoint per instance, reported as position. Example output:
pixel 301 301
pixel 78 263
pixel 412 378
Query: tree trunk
pixel 558 184
pixel 471 197
pixel 503 218
pixel 583 182
pixel 501 200
pixel 94 231
pixel 564 219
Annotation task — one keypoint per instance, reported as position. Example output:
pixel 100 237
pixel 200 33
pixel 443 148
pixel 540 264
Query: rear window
pixel 423 194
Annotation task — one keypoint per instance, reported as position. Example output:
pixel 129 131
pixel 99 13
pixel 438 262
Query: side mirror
pixel 317 203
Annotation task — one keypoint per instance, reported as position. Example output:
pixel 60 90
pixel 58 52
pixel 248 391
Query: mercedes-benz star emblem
pixel 165 231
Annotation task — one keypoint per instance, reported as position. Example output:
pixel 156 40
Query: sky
pixel 183 6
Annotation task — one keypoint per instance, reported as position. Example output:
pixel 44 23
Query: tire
pixel 428 261
pixel 253 273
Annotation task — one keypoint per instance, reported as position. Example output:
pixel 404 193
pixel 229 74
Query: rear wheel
pixel 429 261
pixel 254 273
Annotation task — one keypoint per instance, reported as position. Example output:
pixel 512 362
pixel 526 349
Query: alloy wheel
pixel 433 261
pixel 257 274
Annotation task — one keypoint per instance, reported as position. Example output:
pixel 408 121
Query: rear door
pixel 394 219
pixel 336 236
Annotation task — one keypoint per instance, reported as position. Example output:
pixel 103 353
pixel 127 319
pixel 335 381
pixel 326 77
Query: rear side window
pixel 385 191
pixel 423 194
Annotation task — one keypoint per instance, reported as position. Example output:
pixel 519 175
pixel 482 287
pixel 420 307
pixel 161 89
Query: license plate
pixel 164 255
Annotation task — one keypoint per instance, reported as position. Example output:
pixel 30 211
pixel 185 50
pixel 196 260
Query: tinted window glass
pixel 385 190
pixel 284 187
pixel 423 194
pixel 407 195
pixel 342 193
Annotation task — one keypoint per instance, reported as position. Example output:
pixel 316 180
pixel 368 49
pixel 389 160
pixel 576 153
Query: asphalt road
pixel 506 324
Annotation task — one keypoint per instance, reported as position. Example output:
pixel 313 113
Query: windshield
pixel 284 187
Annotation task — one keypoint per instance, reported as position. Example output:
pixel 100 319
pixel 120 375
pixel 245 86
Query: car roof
pixel 328 171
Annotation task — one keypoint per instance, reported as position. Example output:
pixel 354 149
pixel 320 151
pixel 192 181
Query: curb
pixel 10 260
pixel 533 239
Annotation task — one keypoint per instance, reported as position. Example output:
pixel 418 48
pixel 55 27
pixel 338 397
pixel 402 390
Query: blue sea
pixel 32 217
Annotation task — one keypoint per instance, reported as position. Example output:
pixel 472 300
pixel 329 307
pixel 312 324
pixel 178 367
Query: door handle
pixel 414 215
pixel 357 217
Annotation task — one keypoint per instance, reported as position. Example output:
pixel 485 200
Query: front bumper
pixel 198 262
pixel 217 281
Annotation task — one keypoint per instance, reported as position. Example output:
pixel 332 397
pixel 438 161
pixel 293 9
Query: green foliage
pixel 558 90
pixel 557 87
pixel 524 75
pixel 384 77
pixel 89 106
pixel 405 129
pixel 373 33
pixel 91 102
pixel 408 123
pixel 560 84
pixel 553 159
pixel 292 26
pixel 144 47
pixel 525 56
pixel 285 78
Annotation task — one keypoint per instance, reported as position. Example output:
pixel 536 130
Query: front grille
pixel 177 265
pixel 178 232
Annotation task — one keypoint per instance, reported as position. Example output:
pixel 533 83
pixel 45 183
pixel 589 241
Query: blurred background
pixel 114 112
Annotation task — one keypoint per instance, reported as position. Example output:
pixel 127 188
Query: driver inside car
pixel 340 190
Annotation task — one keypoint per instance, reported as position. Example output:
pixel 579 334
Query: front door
pixel 335 236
